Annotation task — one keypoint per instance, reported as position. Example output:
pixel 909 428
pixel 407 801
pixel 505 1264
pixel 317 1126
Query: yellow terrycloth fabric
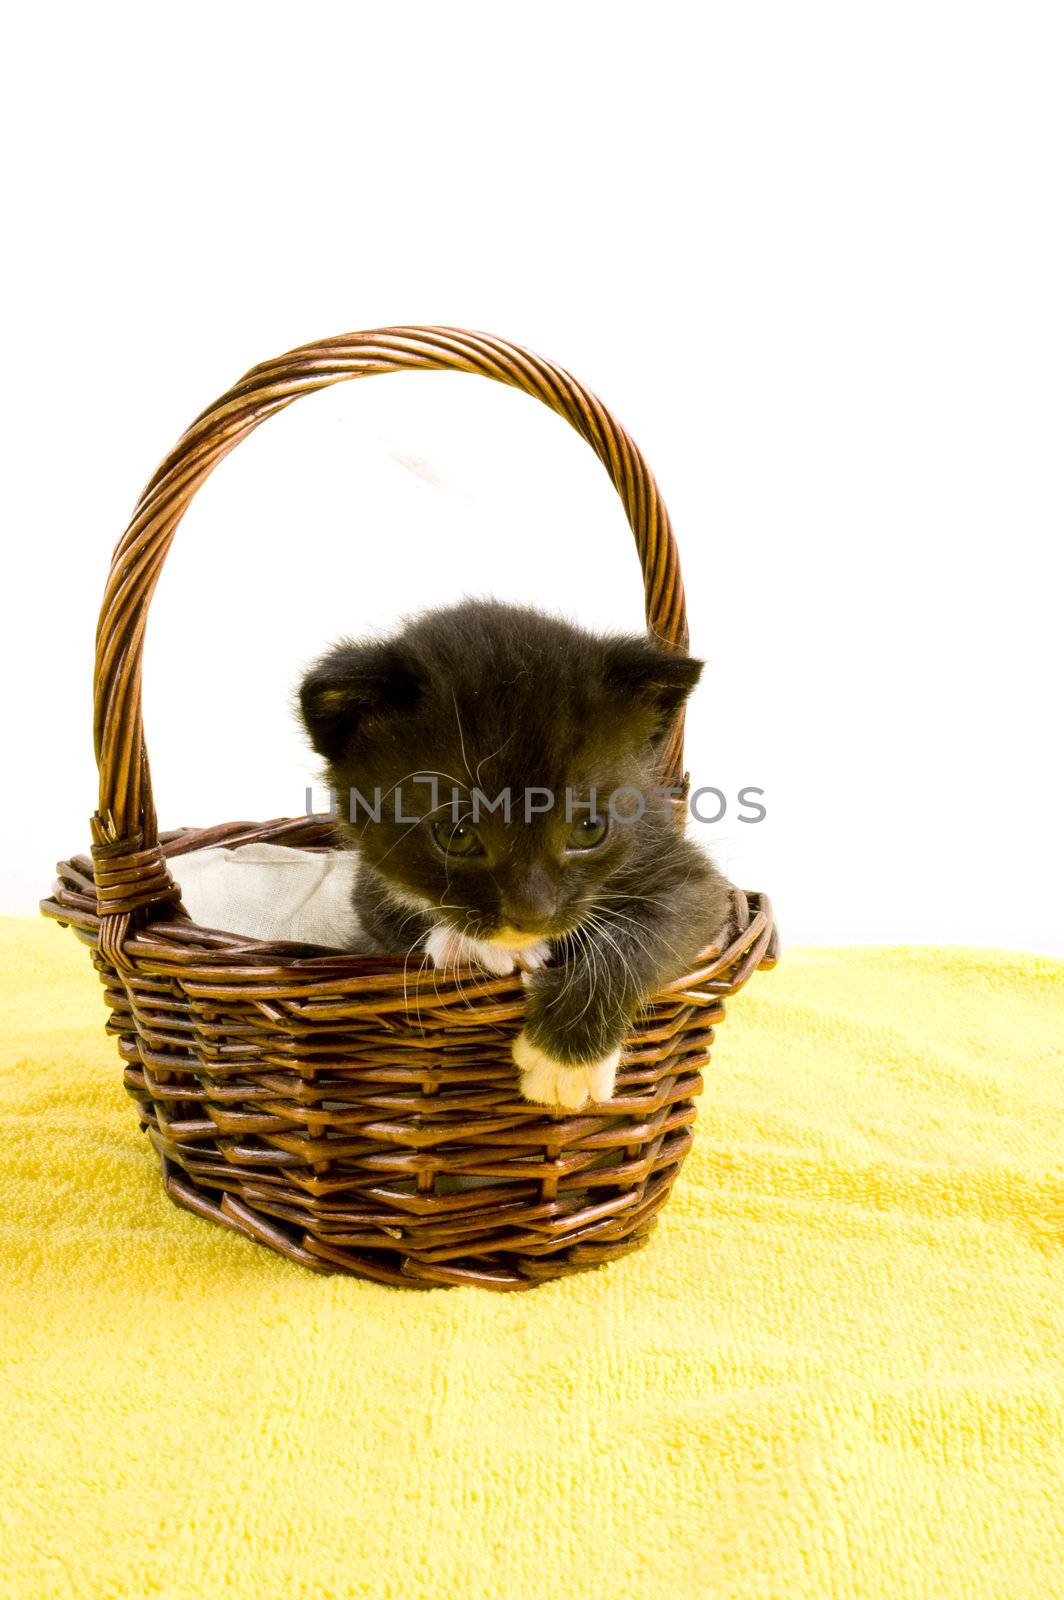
pixel 834 1372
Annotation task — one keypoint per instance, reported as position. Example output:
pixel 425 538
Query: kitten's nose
pixel 529 904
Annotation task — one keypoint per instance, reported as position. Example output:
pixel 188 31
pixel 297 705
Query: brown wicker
pixel 352 1114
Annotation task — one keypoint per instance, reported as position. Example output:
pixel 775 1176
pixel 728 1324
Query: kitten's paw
pixel 446 947
pixel 547 1082
pixel 533 957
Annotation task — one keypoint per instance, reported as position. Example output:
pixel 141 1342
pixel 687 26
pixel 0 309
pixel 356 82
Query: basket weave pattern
pixel 349 1111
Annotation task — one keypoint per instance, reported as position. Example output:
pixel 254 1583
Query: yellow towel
pixel 834 1373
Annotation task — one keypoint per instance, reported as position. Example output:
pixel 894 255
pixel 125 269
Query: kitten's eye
pixel 456 839
pixel 587 833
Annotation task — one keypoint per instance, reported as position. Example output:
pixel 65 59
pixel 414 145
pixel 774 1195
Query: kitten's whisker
pixel 595 981
pixel 485 759
pixel 575 942
pixel 406 963
pixel 420 970
pixel 628 897
pixel 424 772
pixel 461 739
pixel 596 924
pixel 590 970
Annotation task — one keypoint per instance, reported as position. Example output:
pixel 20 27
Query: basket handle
pixel 130 869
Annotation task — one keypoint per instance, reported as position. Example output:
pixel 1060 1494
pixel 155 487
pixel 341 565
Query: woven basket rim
pixel 206 946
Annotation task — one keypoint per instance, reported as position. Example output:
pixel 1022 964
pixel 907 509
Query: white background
pixel 812 258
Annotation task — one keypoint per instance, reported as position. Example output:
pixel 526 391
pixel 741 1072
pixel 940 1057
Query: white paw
pixel 533 956
pixel 547 1082
pixel 446 947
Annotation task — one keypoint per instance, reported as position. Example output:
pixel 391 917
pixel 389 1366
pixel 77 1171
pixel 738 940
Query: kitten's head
pixel 491 700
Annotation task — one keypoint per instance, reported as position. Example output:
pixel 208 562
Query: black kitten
pixel 526 852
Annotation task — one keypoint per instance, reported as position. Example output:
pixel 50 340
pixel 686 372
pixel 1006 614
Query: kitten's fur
pixel 493 696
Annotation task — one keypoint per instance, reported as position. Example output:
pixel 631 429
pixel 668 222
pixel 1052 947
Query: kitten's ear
pixel 654 678
pixel 353 689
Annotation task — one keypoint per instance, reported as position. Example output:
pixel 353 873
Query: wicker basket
pixel 349 1114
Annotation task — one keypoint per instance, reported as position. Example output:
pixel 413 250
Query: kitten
pixel 600 906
